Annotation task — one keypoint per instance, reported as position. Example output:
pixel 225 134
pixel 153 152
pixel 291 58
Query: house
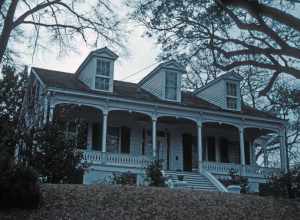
pixel 201 135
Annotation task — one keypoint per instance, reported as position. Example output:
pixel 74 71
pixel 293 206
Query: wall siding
pixel 88 73
pixel 215 94
pixel 155 84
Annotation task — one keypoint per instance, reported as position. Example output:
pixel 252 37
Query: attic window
pixel 102 75
pixel 231 98
pixel 171 86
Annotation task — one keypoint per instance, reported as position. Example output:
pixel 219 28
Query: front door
pixel 187 149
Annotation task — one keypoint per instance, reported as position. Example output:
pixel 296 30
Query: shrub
pixel 19 188
pixel 284 186
pixel 236 180
pixel 154 174
pixel 127 178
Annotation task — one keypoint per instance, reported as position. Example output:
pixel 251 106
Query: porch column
pixel 200 156
pixel 104 129
pixel 45 110
pixel 242 150
pixel 283 153
pixel 51 113
pixel 154 136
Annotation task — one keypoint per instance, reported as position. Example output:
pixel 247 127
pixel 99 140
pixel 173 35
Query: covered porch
pixel 132 139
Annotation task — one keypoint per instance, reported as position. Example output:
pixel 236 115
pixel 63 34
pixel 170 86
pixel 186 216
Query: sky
pixel 141 52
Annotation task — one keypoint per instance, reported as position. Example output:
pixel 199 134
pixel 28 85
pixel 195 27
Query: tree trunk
pixel 7 28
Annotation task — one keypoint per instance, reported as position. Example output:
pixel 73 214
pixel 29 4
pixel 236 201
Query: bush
pixel 154 174
pixel 19 188
pixel 236 180
pixel 283 186
pixel 124 179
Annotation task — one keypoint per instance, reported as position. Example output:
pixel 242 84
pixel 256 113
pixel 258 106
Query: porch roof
pixel 68 81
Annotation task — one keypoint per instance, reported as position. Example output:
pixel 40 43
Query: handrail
pixel 214 181
pixel 249 170
pixel 97 157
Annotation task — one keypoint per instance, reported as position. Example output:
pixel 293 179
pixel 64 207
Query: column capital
pixel 199 124
pixel 241 129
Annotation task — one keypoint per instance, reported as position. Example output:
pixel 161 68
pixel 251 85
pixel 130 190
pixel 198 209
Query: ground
pixel 118 202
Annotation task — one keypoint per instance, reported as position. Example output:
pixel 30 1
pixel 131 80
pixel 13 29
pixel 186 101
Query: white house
pixel 200 135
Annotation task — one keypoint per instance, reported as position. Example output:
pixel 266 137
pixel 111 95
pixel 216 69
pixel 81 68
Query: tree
pixel 59 21
pixel 226 34
pixel 12 90
pixel 54 155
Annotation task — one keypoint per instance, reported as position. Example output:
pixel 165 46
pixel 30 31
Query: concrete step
pixel 195 181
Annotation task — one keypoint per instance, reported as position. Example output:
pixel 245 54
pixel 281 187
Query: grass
pixel 119 202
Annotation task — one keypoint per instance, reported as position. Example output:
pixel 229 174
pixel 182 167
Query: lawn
pixel 118 202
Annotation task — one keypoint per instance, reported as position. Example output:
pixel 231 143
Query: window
pixel 231 99
pixel 171 86
pixel 102 75
pixel 113 139
pixel 102 83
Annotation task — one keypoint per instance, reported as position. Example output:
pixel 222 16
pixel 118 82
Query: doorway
pixel 187 149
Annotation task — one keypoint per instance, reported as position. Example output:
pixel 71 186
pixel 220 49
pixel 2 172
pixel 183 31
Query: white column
pixel 154 136
pixel 104 129
pixel 45 110
pixel 242 149
pixel 51 113
pixel 200 156
pixel 283 155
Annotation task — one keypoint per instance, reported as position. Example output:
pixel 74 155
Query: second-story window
pixel 231 98
pixel 171 86
pixel 102 75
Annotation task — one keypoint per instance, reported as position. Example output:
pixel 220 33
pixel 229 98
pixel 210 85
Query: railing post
pixel 51 112
pixel 154 119
pixel 104 129
pixel 242 150
pixel 199 132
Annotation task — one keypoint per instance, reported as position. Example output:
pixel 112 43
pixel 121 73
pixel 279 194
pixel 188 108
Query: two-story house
pixel 200 135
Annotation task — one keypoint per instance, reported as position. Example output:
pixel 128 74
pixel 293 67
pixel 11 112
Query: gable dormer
pixel 164 81
pixel 224 92
pixel 97 70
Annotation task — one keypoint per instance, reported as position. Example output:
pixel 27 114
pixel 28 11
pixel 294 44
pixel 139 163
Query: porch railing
pixel 127 160
pixel 249 170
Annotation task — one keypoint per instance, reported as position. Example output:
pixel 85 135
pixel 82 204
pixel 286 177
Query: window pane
pixel 171 85
pixel 101 83
pixel 171 93
pixel 113 139
pixel 231 89
pixel 231 103
pixel 103 68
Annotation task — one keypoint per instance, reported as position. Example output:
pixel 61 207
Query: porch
pixel 128 139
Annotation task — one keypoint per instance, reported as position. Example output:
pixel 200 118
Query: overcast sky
pixel 142 53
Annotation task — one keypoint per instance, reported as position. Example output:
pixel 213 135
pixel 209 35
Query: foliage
pixel 19 188
pixel 62 23
pixel 285 186
pixel 225 35
pixel 154 174
pixel 236 180
pixel 127 178
pixel 12 90
pixel 55 157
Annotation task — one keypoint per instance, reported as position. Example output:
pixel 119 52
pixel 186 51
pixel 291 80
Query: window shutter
pixel 97 137
pixel 125 140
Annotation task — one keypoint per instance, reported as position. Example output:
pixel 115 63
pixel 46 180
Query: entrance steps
pixel 191 180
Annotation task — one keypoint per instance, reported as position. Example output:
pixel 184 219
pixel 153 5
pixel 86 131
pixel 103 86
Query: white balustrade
pixel 250 171
pixel 97 157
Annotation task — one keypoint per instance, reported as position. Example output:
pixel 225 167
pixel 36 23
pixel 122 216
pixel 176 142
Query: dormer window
pixel 231 97
pixel 102 75
pixel 171 86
